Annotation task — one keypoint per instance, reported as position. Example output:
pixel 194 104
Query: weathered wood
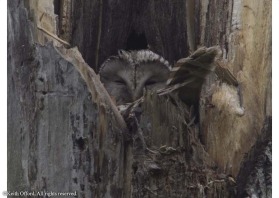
pixel 60 138
pixel 168 159
pixel 66 135
pixel 243 31
pixel 103 27
pixel 168 29
pixel 65 19
pixel 255 175
pixel 54 36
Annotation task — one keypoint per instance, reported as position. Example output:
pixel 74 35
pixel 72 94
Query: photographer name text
pixel 39 193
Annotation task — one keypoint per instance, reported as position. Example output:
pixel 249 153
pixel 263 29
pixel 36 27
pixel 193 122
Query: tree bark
pixel 66 135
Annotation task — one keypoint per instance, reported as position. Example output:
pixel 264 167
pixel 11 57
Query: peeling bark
pixel 254 178
pixel 66 135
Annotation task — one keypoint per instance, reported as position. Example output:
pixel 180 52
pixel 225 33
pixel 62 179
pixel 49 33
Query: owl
pixel 129 74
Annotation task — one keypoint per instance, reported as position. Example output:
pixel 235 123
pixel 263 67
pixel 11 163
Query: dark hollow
pixel 136 41
pixel 57 5
pixel 101 28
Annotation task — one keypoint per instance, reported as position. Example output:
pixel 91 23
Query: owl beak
pixel 137 94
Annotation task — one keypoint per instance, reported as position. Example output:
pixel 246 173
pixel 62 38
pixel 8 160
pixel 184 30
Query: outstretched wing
pixel 188 74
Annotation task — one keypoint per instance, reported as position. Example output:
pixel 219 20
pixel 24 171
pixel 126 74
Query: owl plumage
pixel 127 75
pixel 188 74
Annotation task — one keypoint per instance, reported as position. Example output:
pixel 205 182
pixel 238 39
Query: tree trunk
pixel 65 135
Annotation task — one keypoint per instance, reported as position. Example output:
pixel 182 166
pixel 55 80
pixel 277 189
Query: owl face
pixel 129 74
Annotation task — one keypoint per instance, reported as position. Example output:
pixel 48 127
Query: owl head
pixel 127 75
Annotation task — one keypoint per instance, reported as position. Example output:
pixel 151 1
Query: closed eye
pixel 150 82
pixel 120 82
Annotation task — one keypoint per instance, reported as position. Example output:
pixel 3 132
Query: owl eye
pixel 120 82
pixel 150 82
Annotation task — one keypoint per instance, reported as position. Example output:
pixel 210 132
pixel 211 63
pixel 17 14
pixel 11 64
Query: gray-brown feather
pixel 127 75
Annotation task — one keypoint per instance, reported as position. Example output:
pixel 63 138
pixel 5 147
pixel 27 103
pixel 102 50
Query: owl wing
pixel 188 74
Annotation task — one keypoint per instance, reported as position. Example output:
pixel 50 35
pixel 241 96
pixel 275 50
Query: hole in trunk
pixel 136 41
